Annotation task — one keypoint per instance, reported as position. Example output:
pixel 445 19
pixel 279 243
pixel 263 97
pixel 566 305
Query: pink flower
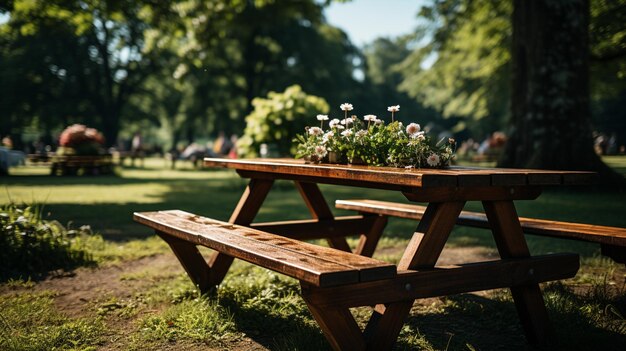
pixel 413 129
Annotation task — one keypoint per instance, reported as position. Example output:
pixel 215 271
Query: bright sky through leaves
pixel 366 20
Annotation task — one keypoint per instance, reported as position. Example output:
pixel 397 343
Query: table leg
pixel 422 252
pixel 511 243
pixel 387 320
pixel 319 209
pixel 368 241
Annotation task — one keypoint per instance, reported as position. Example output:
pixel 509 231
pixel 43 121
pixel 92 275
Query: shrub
pixel 32 246
pixel 277 119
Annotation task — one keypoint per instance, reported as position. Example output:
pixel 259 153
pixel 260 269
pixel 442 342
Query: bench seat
pixel 312 264
pixel 612 239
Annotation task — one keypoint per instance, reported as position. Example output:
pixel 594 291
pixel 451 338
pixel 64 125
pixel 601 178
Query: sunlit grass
pixel 166 309
pixel 30 321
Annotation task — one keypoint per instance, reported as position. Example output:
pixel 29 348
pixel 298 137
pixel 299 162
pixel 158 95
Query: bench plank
pixel 586 232
pixel 320 266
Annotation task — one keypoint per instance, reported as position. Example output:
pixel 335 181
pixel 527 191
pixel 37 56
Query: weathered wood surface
pixel 447 280
pixel 566 230
pixel 388 176
pixel 316 265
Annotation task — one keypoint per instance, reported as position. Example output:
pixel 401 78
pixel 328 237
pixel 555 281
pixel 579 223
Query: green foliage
pixel 276 119
pixel 470 76
pixel 470 43
pixel 29 321
pixel 32 246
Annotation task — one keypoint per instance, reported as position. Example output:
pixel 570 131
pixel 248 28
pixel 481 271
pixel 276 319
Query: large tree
pixel 83 58
pixel 527 57
pixel 551 116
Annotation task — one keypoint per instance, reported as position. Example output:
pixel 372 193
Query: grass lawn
pixel 254 304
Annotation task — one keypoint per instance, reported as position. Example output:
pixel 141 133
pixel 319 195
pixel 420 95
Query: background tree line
pixel 191 68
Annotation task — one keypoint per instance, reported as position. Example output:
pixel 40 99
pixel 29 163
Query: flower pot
pixel 334 157
pixel 357 160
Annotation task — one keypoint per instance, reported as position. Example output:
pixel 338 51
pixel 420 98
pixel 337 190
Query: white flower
pixel 329 135
pixel 347 121
pixel 333 123
pixel 316 131
pixel 433 160
pixel 322 117
pixel 420 136
pixel 347 132
pixel 395 108
pixel 320 150
pixel 370 118
pixel 412 129
pixel 361 133
pixel 378 121
pixel 346 107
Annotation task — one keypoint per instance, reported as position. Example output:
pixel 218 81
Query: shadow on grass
pixel 473 322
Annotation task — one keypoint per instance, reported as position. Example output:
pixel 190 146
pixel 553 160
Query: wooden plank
pixel 491 193
pixel 449 177
pixel 316 265
pixel 440 281
pixel 308 229
pixel 563 230
pixel 390 175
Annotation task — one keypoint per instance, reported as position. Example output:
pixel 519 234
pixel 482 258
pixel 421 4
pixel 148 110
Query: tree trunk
pixel 551 118
pixel 110 127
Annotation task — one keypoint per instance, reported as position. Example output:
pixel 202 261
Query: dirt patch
pixel 79 293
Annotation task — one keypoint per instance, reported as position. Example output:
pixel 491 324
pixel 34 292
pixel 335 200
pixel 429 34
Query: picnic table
pixel 330 290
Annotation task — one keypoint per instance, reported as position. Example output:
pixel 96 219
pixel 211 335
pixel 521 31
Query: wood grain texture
pixel 431 235
pixel 557 229
pixel 306 229
pixel 421 178
pixel 441 281
pixel 320 266
pixel 339 328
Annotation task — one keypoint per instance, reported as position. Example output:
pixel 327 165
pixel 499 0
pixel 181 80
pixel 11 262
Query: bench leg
pixel 192 261
pixel 339 327
pixel 319 209
pixel 206 275
pixel 369 241
pixel 511 243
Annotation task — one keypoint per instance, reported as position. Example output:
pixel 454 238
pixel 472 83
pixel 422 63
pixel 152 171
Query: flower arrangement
pixel 370 141
pixel 79 140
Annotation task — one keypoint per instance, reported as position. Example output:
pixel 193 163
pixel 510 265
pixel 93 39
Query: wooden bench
pixel 311 264
pixel 332 281
pixel 75 165
pixel 612 240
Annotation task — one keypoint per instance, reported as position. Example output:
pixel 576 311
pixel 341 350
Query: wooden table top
pixel 454 176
